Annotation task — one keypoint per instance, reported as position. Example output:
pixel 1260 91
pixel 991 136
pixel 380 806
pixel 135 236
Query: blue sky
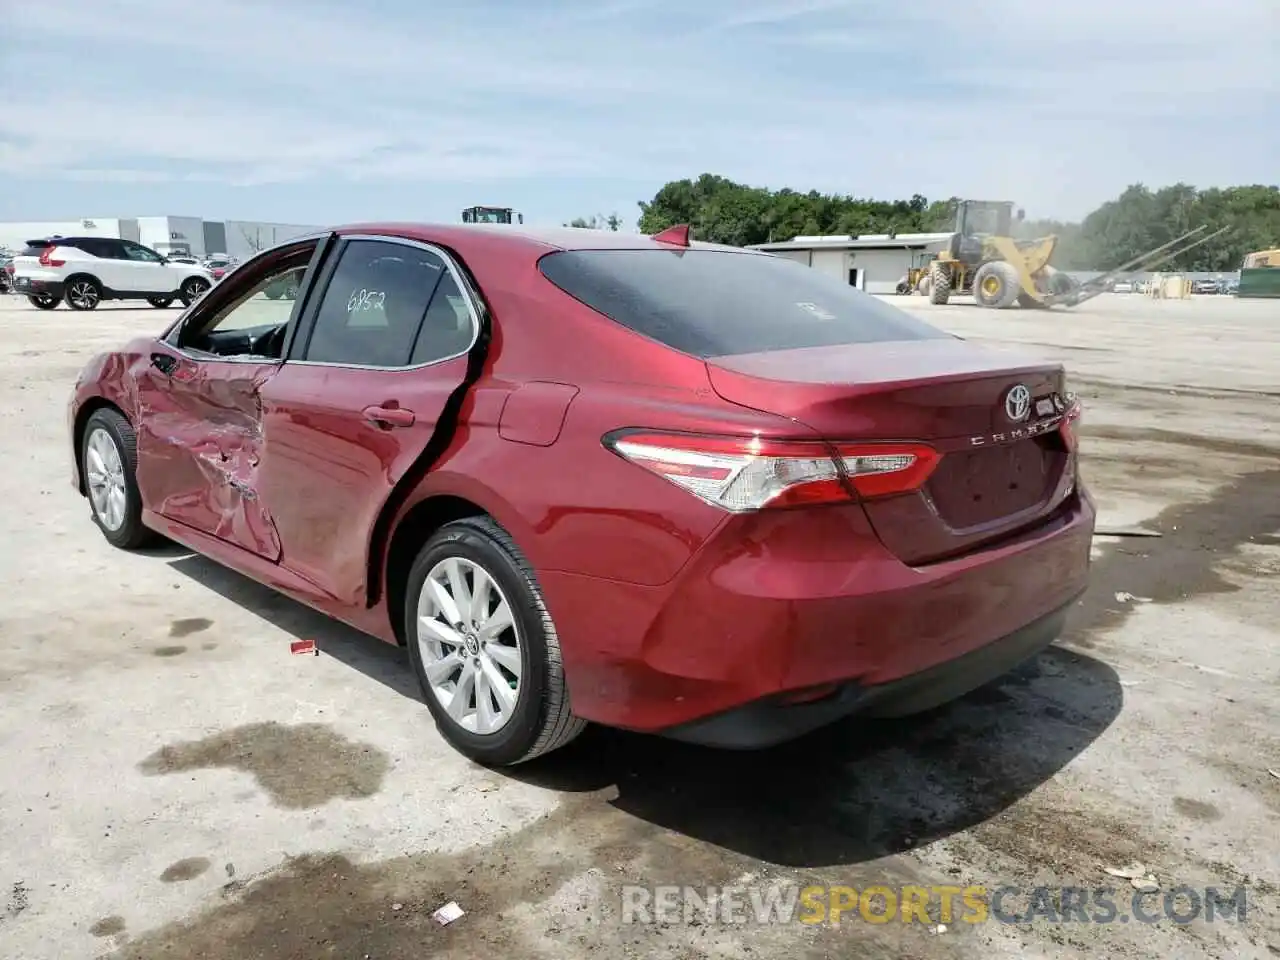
pixel 324 111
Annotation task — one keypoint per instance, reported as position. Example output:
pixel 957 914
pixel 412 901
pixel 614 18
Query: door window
pixel 448 327
pixel 254 324
pixel 374 304
pixel 102 248
pixel 135 251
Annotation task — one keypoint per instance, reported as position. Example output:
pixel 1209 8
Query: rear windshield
pixel 715 303
pixel 36 247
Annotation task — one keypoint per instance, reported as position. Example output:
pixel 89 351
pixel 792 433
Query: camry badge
pixel 1017 403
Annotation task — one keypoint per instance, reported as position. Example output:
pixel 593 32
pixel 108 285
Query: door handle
pixel 163 362
pixel 390 416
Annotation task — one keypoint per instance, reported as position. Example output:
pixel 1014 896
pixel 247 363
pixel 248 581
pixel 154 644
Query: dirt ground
pixel 173 783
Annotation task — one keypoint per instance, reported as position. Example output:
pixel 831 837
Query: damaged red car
pixel 664 486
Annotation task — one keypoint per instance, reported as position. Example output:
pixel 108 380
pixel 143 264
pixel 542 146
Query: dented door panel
pixel 200 446
pixel 328 469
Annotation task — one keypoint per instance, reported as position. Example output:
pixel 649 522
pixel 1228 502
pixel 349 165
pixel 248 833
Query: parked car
pixel 1122 286
pixel 218 266
pixel 1205 286
pixel 84 271
pixel 548 464
pixel 6 274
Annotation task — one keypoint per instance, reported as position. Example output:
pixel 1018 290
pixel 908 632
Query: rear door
pixel 107 263
pixel 384 347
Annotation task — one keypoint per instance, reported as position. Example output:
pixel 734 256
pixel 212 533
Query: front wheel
pixel 160 302
pixel 43 301
pixel 996 285
pixel 192 289
pixel 484 648
pixel 109 462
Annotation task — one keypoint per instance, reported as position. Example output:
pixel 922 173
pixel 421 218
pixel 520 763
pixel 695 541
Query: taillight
pixel 1070 420
pixel 46 258
pixel 740 474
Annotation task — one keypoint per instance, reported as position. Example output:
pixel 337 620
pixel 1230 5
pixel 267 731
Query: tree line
pixel 1139 219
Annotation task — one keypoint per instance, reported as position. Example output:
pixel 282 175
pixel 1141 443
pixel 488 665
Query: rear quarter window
pixel 715 303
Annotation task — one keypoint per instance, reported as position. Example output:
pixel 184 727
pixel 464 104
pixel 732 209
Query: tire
pixel 192 289
pixel 540 719
pixel 939 284
pixel 996 285
pixel 160 302
pixel 83 293
pixel 44 301
pixel 108 428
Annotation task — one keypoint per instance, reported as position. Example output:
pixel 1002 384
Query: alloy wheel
pixel 193 290
pixel 104 471
pixel 470 645
pixel 84 295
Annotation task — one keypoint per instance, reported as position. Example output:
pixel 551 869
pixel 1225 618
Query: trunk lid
pixel 997 475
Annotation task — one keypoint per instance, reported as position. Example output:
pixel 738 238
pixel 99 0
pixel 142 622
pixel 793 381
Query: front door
pixel 143 271
pixel 359 399
pixel 199 446
pixel 200 430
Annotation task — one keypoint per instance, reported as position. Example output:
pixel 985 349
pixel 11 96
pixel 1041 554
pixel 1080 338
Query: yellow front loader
pixel 983 259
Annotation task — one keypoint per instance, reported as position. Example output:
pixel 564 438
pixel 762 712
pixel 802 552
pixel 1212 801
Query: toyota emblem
pixel 1017 403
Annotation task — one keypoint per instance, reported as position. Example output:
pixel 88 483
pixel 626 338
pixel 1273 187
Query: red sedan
pixel 669 487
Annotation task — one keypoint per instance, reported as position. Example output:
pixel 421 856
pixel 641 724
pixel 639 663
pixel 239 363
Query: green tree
pixel 596 222
pixel 1139 219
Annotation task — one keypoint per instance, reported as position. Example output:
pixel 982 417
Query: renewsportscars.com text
pixel 792 903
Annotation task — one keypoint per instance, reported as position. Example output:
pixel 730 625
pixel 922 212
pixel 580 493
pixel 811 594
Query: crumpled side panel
pixel 200 431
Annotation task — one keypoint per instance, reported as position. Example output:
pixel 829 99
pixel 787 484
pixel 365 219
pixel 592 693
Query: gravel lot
pixel 173 783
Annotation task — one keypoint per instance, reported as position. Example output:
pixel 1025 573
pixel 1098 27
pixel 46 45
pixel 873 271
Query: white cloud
pixel 1057 107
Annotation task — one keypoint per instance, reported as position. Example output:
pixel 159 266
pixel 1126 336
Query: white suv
pixel 84 271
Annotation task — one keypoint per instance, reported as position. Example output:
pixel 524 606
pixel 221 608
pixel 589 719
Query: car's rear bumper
pixel 30 287
pixel 793 602
pixel 774 720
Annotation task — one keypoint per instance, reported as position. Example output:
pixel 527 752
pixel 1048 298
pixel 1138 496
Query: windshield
pixel 712 303
pixel 982 220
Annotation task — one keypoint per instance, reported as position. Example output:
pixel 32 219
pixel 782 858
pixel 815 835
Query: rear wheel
pixel 83 293
pixel 43 301
pixel 108 462
pixel 996 284
pixel 192 289
pixel 939 283
pixel 160 302
pixel 484 648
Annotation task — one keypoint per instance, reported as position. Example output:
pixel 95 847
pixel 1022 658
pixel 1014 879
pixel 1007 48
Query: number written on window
pixel 363 299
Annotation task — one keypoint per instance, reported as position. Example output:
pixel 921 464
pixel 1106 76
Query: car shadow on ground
pixel 377 660
pixel 860 789
pixel 855 791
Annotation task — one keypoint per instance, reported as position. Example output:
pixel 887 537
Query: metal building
pixel 873 263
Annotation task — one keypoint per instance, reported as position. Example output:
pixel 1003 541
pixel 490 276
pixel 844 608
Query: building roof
pixel 866 241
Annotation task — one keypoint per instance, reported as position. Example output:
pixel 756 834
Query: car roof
pixel 537 240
